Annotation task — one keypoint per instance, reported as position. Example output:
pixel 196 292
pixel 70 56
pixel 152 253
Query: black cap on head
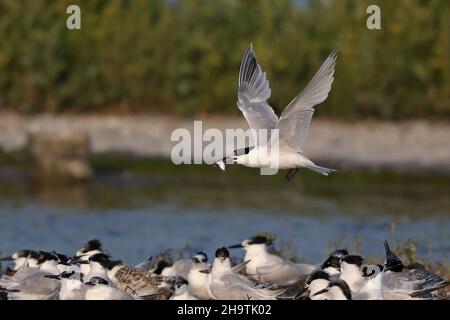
pixel 178 281
pixel 371 270
pixel 46 256
pixel 67 274
pixel 356 260
pixel 97 280
pixel 162 264
pixel 222 253
pixel 101 258
pixel 23 253
pixel 112 264
pixel 332 262
pixel 392 263
pixel 91 245
pixel 200 257
pixel 62 257
pixel 318 274
pixel 259 240
pixel 33 254
pixel 340 253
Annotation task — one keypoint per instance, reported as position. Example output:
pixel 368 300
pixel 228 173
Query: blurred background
pixel 86 118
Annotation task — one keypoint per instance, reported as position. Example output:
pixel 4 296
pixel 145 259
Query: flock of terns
pixel 92 274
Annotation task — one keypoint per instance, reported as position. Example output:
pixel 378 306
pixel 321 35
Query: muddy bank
pixel 404 147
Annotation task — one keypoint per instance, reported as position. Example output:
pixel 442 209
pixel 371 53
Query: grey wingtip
pixel 249 50
pixel 334 53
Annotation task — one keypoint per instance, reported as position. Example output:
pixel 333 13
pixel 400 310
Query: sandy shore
pixel 407 146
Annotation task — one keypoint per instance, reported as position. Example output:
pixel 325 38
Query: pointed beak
pixel 387 249
pixel 301 293
pixel 205 271
pixel 320 292
pixel 6 259
pixel 221 165
pixel 77 260
pixel 53 276
pixel 235 246
pixel 74 259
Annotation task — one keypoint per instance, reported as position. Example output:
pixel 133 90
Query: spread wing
pixel 296 117
pixel 253 92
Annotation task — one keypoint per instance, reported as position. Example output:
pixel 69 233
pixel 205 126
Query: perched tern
pixel 23 258
pixel 181 289
pixel 198 281
pixel 332 265
pixel 137 282
pixel 31 283
pixel 316 281
pixel 400 282
pixel 225 284
pixel 72 286
pixel 264 266
pixel 352 273
pixel 101 289
pixel 90 248
pixel 98 266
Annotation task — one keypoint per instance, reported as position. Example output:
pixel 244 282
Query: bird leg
pixel 131 290
pixel 290 174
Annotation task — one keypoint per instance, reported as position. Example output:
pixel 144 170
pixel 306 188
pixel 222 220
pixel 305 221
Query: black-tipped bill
pixel 205 271
pixel 77 260
pixel 6 259
pixel 236 246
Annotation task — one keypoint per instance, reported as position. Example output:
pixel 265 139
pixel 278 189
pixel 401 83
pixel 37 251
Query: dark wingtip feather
pixel 334 54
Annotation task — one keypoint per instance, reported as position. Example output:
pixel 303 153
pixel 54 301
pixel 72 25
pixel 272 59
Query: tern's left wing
pixel 296 117
pixel 253 92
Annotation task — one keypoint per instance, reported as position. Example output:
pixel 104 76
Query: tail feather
pixel 321 170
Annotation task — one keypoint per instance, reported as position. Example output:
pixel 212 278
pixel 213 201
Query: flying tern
pixel 284 149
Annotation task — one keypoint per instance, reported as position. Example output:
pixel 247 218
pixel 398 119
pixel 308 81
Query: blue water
pixel 141 214
pixel 133 234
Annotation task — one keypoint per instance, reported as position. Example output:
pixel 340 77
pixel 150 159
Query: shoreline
pixel 412 146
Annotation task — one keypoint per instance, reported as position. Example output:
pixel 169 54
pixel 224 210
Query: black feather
pixel 222 253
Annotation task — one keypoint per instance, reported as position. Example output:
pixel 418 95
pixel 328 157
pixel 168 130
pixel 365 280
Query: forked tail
pixel 321 170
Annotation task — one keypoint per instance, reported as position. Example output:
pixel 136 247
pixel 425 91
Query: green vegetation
pixel 182 56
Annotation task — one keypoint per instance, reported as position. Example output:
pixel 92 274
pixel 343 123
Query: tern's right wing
pixel 37 284
pixel 286 273
pixel 238 287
